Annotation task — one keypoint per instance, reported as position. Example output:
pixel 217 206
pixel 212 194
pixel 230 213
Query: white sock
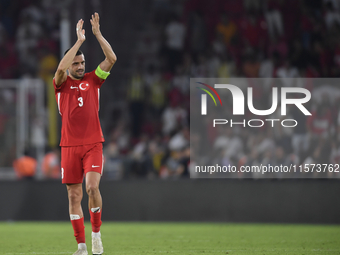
pixel 74 217
pixel 95 210
pixel 96 234
pixel 82 246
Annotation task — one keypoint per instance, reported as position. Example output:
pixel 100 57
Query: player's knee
pixel 74 197
pixel 92 189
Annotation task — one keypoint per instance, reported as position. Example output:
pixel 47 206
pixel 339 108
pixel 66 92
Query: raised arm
pixel 61 75
pixel 110 56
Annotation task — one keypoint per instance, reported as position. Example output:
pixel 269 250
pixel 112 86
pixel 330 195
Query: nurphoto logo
pixel 238 99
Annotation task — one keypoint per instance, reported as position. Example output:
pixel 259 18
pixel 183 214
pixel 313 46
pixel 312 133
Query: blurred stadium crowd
pixel 198 38
pixel 29 39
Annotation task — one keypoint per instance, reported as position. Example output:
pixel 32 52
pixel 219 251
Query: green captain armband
pixel 101 74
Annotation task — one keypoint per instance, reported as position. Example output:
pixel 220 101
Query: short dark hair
pixel 79 52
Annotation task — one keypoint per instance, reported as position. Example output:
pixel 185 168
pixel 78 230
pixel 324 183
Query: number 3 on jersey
pixel 81 102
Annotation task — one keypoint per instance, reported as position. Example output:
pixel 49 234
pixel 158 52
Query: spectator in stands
pixel 268 67
pixel 174 41
pixel 230 143
pixel 156 151
pixel 218 45
pixel 332 17
pixel 180 140
pixel 274 18
pixel 51 164
pixel 48 63
pixel 27 37
pixel 113 163
pixel 136 97
pixel 142 165
pixel 34 11
pixel 176 164
pixel 268 160
pixel 213 63
pixel 226 28
pixel 317 156
pixel 251 66
pixel 200 68
pixel 184 161
pixel 181 80
pixel 253 159
pixel 287 70
pixel 173 116
pixel 320 122
pixel 300 137
pixel 25 167
pixel 121 135
pixel 280 159
pixel 227 68
pixel 254 31
pixel 157 97
pixel 151 76
pixel 307 23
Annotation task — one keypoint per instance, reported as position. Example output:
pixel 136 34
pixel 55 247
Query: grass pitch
pixel 173 238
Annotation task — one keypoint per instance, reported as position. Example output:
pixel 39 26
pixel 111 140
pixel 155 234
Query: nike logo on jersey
pixel 93 166
pixel 83 86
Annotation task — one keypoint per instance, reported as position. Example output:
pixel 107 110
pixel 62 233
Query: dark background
pixel 286 201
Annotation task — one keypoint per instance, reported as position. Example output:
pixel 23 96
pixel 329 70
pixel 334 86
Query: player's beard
pixel 78 76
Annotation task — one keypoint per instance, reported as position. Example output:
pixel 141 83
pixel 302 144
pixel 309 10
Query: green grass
pixel 173 238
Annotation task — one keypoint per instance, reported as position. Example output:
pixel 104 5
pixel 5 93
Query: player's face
pixel 77 68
